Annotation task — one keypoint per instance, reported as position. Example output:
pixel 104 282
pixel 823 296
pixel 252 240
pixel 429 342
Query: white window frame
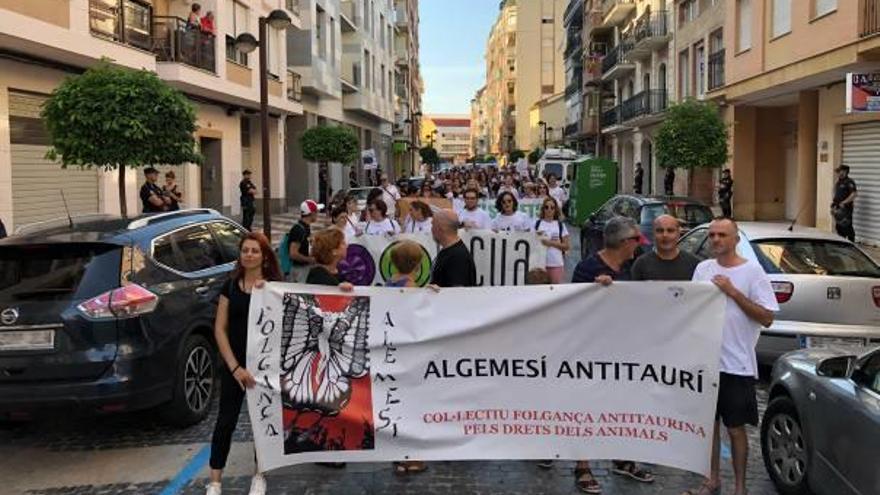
pixel 744 25
pixel 780 23
pixel 823 7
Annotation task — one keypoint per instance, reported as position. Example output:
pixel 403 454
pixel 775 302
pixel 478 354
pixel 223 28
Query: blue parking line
pixel 188 472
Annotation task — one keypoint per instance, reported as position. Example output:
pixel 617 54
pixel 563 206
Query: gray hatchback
pixel 821 430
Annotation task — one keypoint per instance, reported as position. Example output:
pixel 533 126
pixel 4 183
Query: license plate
pixel 838 343
pixel 27 340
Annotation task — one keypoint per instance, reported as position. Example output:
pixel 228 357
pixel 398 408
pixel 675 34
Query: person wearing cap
pixel 152 198
pixel 842 206
pixel 248 192
pixel 298 240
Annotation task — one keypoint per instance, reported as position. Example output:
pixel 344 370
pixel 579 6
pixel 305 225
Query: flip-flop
pixel 586 482
pixel 631 470
pixel 703 490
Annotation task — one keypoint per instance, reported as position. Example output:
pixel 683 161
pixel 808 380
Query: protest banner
pixel 502 258
pixel 554 372
pixel 529 206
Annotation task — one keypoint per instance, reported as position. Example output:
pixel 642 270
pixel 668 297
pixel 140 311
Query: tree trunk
pixel 123 206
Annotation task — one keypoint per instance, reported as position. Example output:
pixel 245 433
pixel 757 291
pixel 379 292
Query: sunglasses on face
pixel 507 202
pixel 549 207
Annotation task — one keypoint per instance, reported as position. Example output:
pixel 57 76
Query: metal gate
pixel 861 151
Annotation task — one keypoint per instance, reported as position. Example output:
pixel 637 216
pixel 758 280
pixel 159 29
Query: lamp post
pixel 412 138
pixel 543 125
pixel 246 43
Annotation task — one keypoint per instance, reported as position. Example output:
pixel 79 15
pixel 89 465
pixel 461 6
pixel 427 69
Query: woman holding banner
pixel 419 219
pixel 509 218
pixel 328 248
pixel 256 263
pixel 378 222
pixel 555 236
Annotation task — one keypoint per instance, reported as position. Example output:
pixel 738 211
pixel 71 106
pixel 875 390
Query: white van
pixel 558 161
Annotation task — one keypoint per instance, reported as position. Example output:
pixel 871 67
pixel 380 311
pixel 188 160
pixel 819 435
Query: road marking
pixel 188 472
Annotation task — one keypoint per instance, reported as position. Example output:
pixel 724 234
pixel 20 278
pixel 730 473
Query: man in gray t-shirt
pixel 666 261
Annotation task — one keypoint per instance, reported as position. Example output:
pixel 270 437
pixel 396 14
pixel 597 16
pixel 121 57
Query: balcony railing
pixel 125 21
pixel 294 86
pixel 649 102
pixel 572 129
pixel 616 55
pixel 174 41
pixel 716 70
pixel 870 16
pixel 652 25
pixel 573 43
pixel 610 117
pixel 575 85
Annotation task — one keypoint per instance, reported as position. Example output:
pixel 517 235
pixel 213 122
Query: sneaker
pixel 258 485
pixel 213 488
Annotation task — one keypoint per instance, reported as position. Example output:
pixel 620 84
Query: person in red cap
pixel 298 240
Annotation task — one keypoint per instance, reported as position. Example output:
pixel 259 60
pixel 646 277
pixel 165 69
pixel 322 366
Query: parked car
pixel 643 210
pixel 114 315
pixel 827 288
pixel 821 430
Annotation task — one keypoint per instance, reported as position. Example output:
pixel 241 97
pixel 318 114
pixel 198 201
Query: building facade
pixel 408 88
pixel 450 135
pixel 44 41
pixel 784 95
pixel 547 122
pixel 523 65
pixel 479 127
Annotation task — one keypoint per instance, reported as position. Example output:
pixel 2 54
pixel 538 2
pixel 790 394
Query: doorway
pixel 212 173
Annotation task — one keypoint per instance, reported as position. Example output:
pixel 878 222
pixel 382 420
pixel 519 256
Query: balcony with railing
pixel 174 41
pixel 616 62
pixel 610 117
pixel 716 70
pixel 401 19
pixel 572 129
pixel 643 107
pixel 593 22
pixel 869 18
pixel 294 86
pixel 615 11
pixel 573 44
pixel 124 21
pixel 651 33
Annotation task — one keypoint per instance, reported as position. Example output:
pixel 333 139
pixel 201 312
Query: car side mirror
pixel 836 367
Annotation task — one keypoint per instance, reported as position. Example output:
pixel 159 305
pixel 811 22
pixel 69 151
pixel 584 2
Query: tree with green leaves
pixel 117 118
pixel 515 155
pixel 535 155
pixel 693 135
pixel 325 144
pixel 429 156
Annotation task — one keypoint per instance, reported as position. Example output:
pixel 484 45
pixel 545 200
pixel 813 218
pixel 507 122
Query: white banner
pixel 502 258
pixel 529 206
pixel 575 371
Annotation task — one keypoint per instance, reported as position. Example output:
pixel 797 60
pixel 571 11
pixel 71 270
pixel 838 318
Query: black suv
pixel 114 315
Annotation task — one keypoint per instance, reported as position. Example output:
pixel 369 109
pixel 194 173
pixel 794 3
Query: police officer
pixel 725 193
pixel 248 191
pixel 152 197
pixel 669 182
pixel 638 177
pixel 842 206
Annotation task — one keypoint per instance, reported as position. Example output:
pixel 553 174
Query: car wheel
pixel 784 447
pixel 194 383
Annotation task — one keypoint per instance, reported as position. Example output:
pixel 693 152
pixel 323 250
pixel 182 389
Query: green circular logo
pixel 388 270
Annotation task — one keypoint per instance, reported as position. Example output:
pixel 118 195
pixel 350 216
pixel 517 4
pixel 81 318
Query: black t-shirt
pixel 726 189
pixel 319 275
pixel 637 177
pixel 587 270
pixel 146 190
pixel 842 190
pixel 239 305
pixel 649 266
pixel 454 267
pixel 300 233
pixel 247 197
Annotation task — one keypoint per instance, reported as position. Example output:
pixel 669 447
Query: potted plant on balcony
pixel 117 118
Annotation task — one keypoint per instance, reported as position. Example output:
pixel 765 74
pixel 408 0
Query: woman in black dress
pixel 256 264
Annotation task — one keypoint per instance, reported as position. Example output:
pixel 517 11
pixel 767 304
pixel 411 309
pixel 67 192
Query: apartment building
pixel 345 52
pixel 785 64
pixel 523 65
pixel 547 123
pixel 408 88
pixel 44 41
pixel 450 135
pixel 479 128
pixel 577 130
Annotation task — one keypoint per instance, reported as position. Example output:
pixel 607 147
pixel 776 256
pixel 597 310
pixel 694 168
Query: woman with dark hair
pixel 194 20
pixel 171 192
pixel 256 264
pixel 419 220
pixel 427 191
pixel 374 194
pixel 378 222
pixel 509 219
pixel 328 248
pixel 555 236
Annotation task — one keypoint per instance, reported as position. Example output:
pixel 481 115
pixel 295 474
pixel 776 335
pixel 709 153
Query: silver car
pixel 821 430
pixel 827 288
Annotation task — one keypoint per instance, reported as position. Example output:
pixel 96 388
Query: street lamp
pixel 543 124
pixel 412 137
pixel 246 43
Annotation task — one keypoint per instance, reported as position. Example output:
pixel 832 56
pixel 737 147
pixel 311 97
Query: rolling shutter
pixel 861 151
pixel 37 182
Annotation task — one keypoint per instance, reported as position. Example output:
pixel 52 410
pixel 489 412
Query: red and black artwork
pixel 325 373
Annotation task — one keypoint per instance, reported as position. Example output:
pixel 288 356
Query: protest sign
pixel 502 258
pixel 553 372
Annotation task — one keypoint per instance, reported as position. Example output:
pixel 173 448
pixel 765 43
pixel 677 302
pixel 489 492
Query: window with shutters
pixel 743 25
pixel 781 22
pixel 237 23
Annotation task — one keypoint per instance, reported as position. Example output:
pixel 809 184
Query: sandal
pixel 410 467
pixel 704 489
pixel 629 468
pixel 586 482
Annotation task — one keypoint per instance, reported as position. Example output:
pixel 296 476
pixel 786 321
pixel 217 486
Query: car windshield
pixel 553 168
pixel 691 213
pixel 813 257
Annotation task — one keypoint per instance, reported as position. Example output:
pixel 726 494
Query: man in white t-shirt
pixel 751 304
pixel 390 195
pixel 472 216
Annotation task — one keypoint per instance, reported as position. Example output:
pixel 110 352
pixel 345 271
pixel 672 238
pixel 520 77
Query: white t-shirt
pixel 518 222
pixel 353 227
pixel 550 230
pixel 740 333
pixel 410 226
pixel 477 218
pixel 559 194
pixel 385 227
pixel 390 195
